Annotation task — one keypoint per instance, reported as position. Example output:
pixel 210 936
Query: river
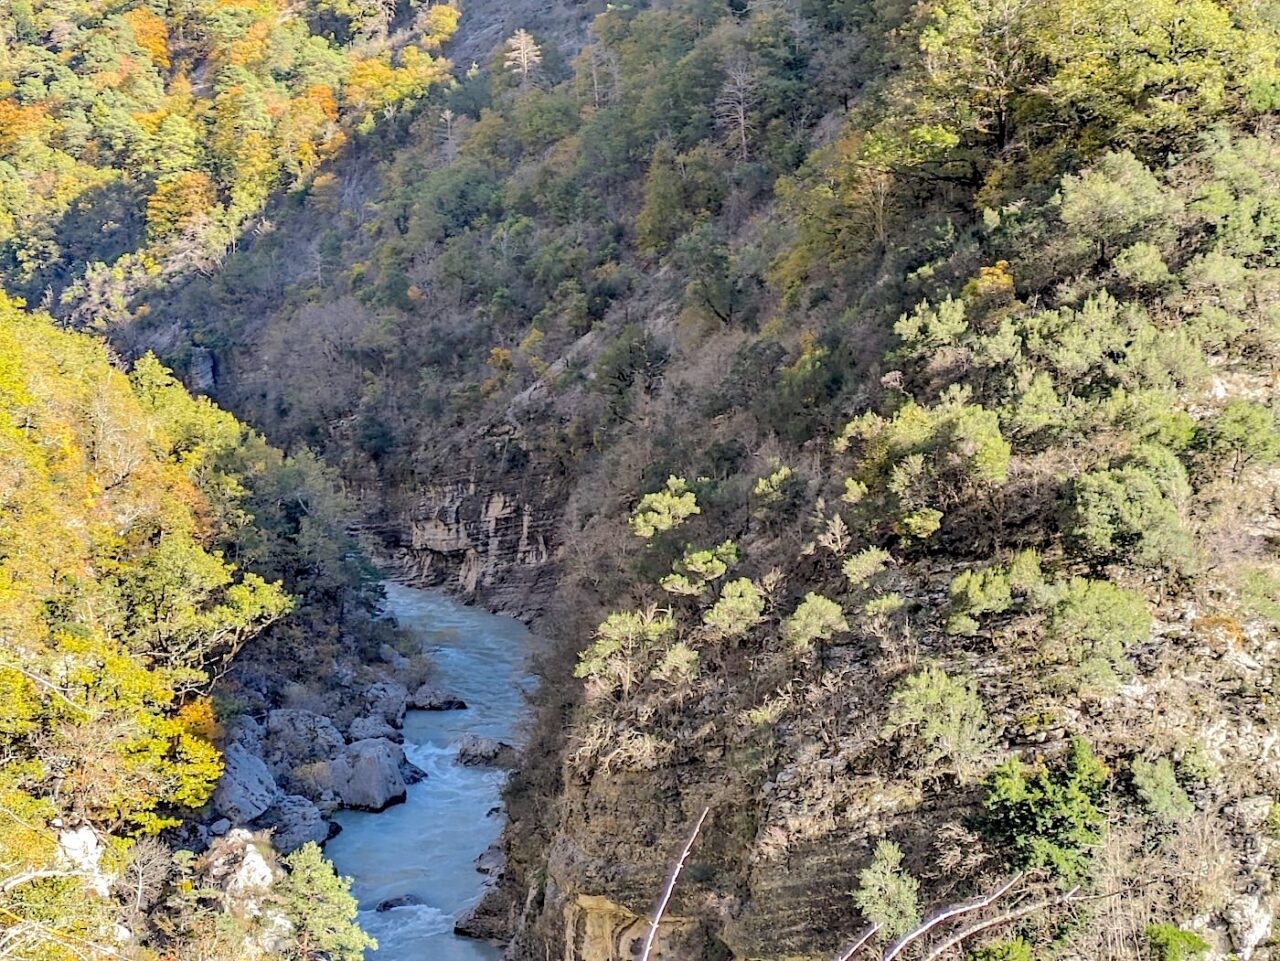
pixel 427 846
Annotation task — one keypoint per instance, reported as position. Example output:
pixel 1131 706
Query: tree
pixel 942 717
pixel 1243 434
pixel 735 103
pixel 523 56
pixel 664 510
pixel 622 643
pixel 1158 786
pixel 888 895
pixel 319 905
pixel 1126 515
pixel 1088 627
pixel 1171 943
pixel 662 215
pixel 817 618
pixel 1047 816
pixel 739 608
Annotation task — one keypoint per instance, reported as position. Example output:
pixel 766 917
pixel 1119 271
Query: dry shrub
pixel 1113 925
pixel 1200 862
pixel 637 751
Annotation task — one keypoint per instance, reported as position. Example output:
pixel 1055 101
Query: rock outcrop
pixel 293 820
pixel 387 701
pixel 247 787
pixel 488 536
pixel 80 849
pixel 367 775
pixel 364 728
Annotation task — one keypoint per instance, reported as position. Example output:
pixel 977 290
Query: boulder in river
pixel 400 901
pixel 493 861
pixel 366 775
pixel 428 698
pixel 246 788
pixel 477 751
pixel 294 821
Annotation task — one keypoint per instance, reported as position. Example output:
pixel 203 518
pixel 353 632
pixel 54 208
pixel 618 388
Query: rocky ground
pixel 288 770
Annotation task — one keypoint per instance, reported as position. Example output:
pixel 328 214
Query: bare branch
pixel 867 934
pixel 972 929
pixel 671 886
pixel 949 911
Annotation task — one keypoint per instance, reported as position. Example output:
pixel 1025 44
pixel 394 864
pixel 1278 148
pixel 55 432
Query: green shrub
pixel 924 458
pixel 942 716
pixel 974 593
pixel 696 569
pixel 816 618
pixel 665 509
pixel 1169 942
pixel 1048 817
pixel 864 565
pixel 1124 515
pixel 1157 785
pixel 621 642
pixel 1015 950
pixel 739 608
pixel 1244 434
pixel 1089 625
pixel 886 894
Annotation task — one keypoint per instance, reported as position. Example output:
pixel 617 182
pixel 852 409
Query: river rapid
pixel 426 847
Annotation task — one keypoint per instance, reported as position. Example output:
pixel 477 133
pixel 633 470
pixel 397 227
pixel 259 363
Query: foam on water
pixel 427 846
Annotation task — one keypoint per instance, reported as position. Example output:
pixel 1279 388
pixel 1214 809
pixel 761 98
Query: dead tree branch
pixel 670 887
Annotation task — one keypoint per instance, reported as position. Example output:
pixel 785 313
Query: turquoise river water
pixel 427 846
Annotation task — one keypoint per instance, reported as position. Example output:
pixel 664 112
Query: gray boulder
pixel 296 737
pixel 400 901
pixel 493 861
pixel 428 698
pixel 294 821
pixel 366 776
pixel 246 787
pixel 246 731
pixel 387 700
pixel 363 728
pixel 476 751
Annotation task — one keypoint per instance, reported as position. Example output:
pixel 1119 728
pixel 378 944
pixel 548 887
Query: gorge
pixel 870 406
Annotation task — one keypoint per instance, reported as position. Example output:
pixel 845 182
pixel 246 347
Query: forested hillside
pixel 134 519
pixel 873 402
pixel 141 140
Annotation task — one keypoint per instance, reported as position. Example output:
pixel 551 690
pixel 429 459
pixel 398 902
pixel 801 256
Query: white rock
pixel 1249 923
pixel 253 876
pixel 80 849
